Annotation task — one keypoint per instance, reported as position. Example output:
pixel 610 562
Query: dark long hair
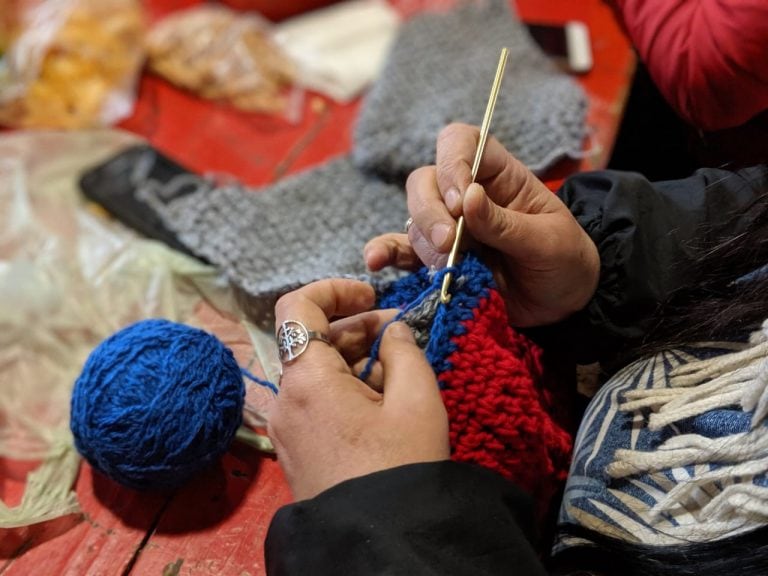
pixel 742 555
pixel 727 295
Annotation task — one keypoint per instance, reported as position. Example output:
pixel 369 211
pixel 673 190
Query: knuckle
pixel 453 162
pixel 454 130
pixel 421 206
pixel 446 134
pixel 416 177
pixel 285 303
pixel 451 169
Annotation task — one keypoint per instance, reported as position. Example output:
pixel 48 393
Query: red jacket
pixel 709 58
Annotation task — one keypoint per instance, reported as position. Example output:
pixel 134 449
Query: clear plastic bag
pixel 219 54
pixel 69 63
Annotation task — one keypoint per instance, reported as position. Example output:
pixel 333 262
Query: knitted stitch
pixel 500 413
pixel 310 226
pixel 440 70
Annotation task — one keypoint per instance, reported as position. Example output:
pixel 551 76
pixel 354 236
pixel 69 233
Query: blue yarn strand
pixel 259 381
pixel 436 284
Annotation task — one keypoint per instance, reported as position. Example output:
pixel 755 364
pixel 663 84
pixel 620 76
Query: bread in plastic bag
pixel 69 63
pixel 219 54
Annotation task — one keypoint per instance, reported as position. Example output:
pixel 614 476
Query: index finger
pixel 313 306
pixel 456 149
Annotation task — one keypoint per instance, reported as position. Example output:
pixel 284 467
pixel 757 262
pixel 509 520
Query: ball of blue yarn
pixel 156 403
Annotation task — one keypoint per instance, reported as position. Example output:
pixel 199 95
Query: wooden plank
pixel 211 137
pixel 217 524
pixel 332 138
pixel 101 542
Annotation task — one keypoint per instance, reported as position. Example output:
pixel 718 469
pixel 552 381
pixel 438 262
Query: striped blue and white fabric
pixel 674 449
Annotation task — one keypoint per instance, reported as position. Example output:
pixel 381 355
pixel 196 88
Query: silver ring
pixel 408 224
pixel 293 338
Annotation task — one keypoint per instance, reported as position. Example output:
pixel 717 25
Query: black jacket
pixel 450 518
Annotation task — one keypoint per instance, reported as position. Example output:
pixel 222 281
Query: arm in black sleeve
pixel 421 519
pixel 648 235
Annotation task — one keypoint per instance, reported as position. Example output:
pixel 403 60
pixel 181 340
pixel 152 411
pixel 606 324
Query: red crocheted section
pixel 500 417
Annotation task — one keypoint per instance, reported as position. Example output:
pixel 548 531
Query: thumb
pixel 504 229
pixel 408 377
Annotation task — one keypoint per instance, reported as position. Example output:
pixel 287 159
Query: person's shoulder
pixel 706 56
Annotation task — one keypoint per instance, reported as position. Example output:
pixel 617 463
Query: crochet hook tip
pixel 445 297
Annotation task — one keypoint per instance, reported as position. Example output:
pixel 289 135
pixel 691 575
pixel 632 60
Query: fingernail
pixel 452 198
pixel 401 331
pixel 439 234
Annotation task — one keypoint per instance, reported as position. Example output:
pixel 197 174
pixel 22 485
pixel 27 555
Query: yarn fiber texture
pixel 156 403
pixel 314 225
pixel 501 413
pixel 307 227
pixel 440 70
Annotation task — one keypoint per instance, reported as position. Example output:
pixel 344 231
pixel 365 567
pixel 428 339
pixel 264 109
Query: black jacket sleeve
pixel 648 236
pixel 421 519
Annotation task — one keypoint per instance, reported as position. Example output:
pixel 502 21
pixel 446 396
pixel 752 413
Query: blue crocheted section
pixel 471 283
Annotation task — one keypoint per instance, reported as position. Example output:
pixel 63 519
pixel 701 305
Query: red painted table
pixel 216 524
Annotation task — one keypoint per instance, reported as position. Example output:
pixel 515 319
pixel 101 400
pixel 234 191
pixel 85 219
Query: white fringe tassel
pixel 734 379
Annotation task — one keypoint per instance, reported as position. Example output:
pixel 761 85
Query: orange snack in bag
pixel 73 64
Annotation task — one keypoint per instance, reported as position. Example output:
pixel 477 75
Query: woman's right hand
pixel 545 264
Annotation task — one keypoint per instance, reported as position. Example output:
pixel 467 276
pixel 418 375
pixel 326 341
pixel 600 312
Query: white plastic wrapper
pixel 339 50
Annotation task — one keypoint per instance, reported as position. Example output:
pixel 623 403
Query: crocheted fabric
pixel 274 239
pixel 440 70
pixel 500 413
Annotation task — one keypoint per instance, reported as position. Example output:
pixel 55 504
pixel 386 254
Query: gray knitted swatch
pixel 307 227
pixel 440 70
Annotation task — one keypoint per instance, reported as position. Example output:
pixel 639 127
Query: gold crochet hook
pixel 445 297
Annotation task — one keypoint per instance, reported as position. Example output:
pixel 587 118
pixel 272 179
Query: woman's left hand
pixel 327 425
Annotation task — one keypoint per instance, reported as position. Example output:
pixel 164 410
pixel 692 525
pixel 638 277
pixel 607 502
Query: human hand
pixel 545 264
pixel 327 425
